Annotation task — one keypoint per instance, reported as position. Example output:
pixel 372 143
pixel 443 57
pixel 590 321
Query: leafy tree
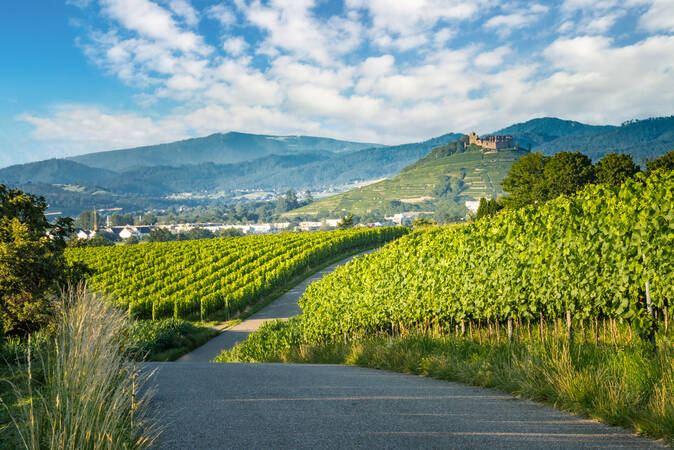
pixel 87 220
pixel 665 162
pixel 196 233
pixel 287 202
pixel 160 235
pixel 118 220
pixel 564 174
pixel 614 168
pixel 308 197
pixel 100 240
pixel 31 261
pixel 487 208
pixel 346 222
pixel 148 219
pixel 230 232
pixel 523 178
pixel 131 240
pixel 423 222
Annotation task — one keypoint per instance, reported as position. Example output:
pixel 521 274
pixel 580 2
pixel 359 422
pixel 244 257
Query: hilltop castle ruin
pixel 491 142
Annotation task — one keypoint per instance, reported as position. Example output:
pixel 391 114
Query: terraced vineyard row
pixel 182 279
pixel 601 253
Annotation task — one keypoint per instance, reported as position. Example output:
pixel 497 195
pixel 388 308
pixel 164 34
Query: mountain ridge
pixel 223 148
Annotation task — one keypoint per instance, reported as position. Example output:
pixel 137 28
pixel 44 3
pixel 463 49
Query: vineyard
pixel 605 254
pixel 199 278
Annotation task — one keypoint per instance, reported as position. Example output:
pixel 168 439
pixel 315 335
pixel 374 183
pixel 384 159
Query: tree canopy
pixel 614 168
pixel 665 162
pixel 32 264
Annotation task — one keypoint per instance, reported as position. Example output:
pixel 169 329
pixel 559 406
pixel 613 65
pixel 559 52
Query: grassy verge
pixel 632 386
pixel 166 339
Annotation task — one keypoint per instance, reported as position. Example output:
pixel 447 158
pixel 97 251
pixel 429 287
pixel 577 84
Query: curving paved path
pixel 282 308
pixel 202 405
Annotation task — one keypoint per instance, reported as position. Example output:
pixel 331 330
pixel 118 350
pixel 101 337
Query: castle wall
pixel 491 142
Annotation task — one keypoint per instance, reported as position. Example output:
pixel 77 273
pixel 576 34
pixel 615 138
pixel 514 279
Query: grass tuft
pixel 77 391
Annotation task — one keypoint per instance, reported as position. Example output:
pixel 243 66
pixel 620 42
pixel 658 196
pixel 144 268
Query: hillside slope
pixel 217 148
pixel 439 184
pixel 54 171
pixel 545 129
pixel 642 139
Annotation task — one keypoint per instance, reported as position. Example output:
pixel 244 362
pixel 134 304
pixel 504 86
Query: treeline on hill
pixel 535 178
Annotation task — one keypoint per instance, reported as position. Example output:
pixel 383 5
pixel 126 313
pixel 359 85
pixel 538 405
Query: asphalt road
pixel 282 308
pixel 202 405
pixel 297 406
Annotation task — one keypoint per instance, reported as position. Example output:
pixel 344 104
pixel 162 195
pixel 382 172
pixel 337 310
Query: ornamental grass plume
pixel 80 393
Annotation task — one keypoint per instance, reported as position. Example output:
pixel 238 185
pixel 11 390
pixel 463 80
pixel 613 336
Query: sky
pixel 80 76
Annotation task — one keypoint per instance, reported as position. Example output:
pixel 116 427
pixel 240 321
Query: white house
pixel 139 232
pixel 261 228
pixel 84 234
pixel 310 226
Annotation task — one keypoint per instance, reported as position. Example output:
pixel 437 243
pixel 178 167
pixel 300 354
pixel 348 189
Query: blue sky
pixel 89 75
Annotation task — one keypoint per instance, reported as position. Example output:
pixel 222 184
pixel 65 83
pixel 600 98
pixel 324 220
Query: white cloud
pixel 151 21
pixel 493 58
pixel 92 129
pixel 221 13
pixel 235 46
pixel 408 24
pixel 184 10
pixel 516 18
pixel 410 74
pixel 659 17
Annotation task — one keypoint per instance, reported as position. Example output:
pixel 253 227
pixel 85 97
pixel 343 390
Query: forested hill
pixel 642 139
pixel 545 129
pixel 217 148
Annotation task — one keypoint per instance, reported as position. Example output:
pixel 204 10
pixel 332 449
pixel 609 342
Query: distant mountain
pixel 222 163
pixel 54 171
pixel 369 164
pixel 553 127
pixel 217 148
pixel 314 171
pixel 642 139
pixel 535 132
pixel 440 184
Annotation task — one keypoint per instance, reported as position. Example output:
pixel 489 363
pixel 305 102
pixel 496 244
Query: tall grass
pixel 80 393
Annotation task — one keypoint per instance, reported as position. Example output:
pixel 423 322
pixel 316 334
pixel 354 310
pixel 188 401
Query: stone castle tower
pixel 491 142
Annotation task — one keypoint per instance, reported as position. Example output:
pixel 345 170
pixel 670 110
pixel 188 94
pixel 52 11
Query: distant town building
pixel 84 234
pixel 310 226
pixel 139 232
pixel 491 142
